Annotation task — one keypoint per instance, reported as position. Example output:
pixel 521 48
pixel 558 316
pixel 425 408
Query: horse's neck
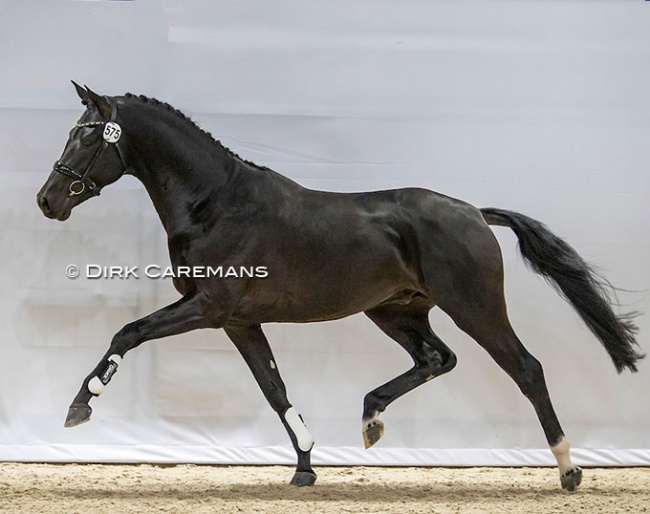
pixel 177 171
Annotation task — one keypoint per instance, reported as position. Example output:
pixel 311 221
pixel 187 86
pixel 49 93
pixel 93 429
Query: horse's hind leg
pixel 410 328
pixel 254 347
pixel 494 333
pixel 468 286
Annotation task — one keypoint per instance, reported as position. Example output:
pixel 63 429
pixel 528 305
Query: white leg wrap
pixel 303 437
pixel 95 386
pixel 561 452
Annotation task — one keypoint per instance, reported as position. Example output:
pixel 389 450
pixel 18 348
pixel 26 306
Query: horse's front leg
pixel 187 314
pixel 253 346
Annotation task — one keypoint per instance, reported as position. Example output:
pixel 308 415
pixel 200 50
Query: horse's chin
pixel 63 216
pixel 59 217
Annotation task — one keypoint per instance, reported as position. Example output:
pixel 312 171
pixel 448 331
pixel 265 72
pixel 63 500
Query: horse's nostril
pixel 44 204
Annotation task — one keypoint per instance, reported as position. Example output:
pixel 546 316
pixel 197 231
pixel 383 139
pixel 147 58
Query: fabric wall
pixel 539 107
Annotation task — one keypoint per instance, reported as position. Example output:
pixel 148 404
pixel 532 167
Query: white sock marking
pixel 561 452
pixel 303 437
pixel 365 423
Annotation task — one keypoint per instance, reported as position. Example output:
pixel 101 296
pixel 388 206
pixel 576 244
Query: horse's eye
pixel 87 141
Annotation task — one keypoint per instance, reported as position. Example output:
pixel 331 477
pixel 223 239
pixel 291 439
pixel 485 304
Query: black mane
pixel 180 114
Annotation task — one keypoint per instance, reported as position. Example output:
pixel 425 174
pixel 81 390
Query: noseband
pixel 82 181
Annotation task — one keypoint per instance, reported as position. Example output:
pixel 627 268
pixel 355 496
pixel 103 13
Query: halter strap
pixel 82 180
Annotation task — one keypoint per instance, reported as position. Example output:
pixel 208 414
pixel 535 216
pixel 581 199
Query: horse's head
pixel 92 158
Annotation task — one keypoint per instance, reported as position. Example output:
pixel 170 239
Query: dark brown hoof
pixel 77 414
pixel 571 479
pixel 303 479
pixel 372 433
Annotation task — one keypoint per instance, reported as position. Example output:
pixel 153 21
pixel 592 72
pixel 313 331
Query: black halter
pixel 82 180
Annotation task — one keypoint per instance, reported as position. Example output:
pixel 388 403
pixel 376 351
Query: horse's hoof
pixel 77 414
pixel 571 478
pixel 303 478
pixel 373 432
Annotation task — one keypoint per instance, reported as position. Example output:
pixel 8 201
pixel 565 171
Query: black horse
pixel 391 254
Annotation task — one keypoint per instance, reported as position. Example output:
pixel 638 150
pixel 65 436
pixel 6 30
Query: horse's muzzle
pixel 47 209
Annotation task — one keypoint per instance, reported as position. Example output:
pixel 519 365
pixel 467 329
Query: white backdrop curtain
pixel 539 107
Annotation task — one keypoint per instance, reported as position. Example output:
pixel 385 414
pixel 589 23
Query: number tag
pixel 112 132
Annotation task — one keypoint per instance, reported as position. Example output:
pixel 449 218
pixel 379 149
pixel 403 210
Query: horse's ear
pixel 83 94
pixel 101 102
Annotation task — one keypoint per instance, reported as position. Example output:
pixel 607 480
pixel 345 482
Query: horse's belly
pixel 322 298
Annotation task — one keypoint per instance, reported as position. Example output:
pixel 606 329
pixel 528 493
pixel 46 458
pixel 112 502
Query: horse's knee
pixel 128 337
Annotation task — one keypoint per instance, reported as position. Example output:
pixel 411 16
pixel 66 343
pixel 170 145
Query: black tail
pixel 574 279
